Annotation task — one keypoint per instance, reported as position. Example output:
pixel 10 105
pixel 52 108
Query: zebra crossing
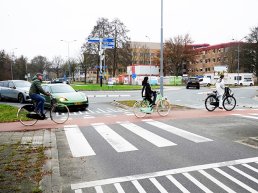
pixel 230 176
pixel 91 113
pixel 119 143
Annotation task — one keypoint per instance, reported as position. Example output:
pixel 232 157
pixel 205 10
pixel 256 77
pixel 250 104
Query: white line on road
pixel 119 188
pixel 182 133
pixel 147 135
pixel 197 183
pixel 177 184
pixel 78 144
pixel 98 189
pixel 250 167
pixel 114 139
pixel 243 174
pixel 220 184
pixel 245 116
pixel 235 180
pixel 158 185
pixel 138 186
pixel 134 178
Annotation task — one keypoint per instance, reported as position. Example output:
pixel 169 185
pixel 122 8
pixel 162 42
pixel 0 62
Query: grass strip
pixel 8 113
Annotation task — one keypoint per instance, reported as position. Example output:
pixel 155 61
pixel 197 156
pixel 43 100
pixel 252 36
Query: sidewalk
pixel 45 138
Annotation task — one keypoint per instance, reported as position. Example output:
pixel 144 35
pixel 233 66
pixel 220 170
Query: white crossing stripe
pixel 26 140
pixel 100 110
pixel 119 188
pixel 112 110
pixel 147 135
pixel 37 140
pixel 244 174
pixel 220 184
pixel 98 189
pixel 158 185
pixel 250 167
pixel 235 180
pixel 134 178
pixel 138 186
pixel 91 111
pixel 78 191
pixel 78 144
pixel 196 182
pixel 246 116
pixel 114 139
pixel 177 184
pixel 182 133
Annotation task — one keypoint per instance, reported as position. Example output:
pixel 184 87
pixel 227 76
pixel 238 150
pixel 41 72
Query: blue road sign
pixel 93 40
pixel 108 39
pixel 107 46
pixel 133 75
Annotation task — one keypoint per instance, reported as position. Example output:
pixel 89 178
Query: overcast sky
pixel 35 27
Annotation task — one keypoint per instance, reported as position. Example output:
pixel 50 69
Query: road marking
pixel 250 167
pixel 220 184
pixel 78 144
pixel 138 186
pixel 182 133
pixel 119 188
pixel 101 110
pixel 88 117
pixel 177 184
pixel 158 185
pixel 134 178
pixel 255 114
pixel 147 135
pixel 197 183
pixel 91 111
pixel 78 191
pixel 243 174
pixel 235 180
pixel 245 116
pixel 37 140
pixel 98 189
pixel 114 139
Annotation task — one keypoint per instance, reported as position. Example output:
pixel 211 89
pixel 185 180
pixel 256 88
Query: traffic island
pixel 127 104
pixel 250 141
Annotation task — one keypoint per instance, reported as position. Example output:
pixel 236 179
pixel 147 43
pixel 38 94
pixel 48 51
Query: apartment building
pixel 210 56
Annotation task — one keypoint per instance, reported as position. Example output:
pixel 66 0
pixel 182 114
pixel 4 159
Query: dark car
pixel 60 80
pixel 193 83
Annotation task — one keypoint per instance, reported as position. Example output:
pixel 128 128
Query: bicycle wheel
pixel 25 117
pixel 138 108
pixel 59 113
pixel 211 103
pixel 229 103
pixel 163 107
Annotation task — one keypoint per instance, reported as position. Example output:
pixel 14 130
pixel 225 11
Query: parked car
pixel 65 94
pixel 60 80
pixel 193 82
pixel 15 90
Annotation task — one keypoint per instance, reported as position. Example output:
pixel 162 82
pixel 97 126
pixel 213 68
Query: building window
pixel 214 60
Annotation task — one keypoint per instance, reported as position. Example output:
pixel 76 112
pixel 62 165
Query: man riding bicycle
pixel 35 90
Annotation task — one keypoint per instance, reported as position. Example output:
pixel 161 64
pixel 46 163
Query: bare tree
pixel 57 63
pixel 177 55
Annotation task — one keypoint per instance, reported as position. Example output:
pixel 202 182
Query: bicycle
pixel 212 101
pixel 141 108
pixel 58 113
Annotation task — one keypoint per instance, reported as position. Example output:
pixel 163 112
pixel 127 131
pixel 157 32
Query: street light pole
pixel 161 50
pixel 238 58
pixel 68 56
pixel 12 62
pixel 150 55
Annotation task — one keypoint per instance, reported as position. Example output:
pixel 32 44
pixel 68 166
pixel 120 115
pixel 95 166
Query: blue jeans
pixel 40 100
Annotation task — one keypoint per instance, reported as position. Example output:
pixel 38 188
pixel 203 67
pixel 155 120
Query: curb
pixel 120 105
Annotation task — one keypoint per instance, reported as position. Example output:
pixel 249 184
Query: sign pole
pixel 100 60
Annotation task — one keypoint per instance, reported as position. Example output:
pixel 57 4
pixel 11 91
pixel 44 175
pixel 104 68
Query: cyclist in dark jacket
pixel 35 90
pixel 147 92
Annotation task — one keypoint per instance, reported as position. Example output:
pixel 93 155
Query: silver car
pixel 15 90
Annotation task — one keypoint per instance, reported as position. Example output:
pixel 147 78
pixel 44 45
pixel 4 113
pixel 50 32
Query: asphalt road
pixel 106 149
pixel 109 157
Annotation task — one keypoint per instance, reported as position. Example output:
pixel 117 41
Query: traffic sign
pixel 108 39
pixel 93 40
pixel 133 75
pixel 107 46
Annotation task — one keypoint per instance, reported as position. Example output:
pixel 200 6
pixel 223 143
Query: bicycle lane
pixel 173 115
